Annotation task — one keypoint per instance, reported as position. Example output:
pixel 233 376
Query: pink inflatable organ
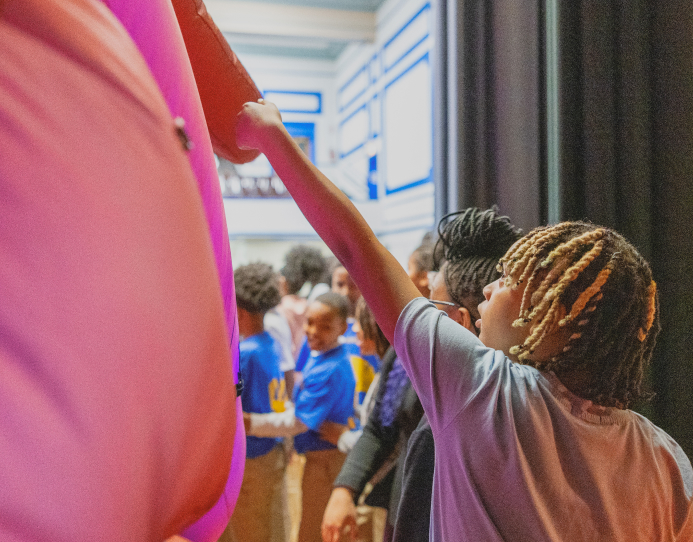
pixel 208 95
pixel 117 319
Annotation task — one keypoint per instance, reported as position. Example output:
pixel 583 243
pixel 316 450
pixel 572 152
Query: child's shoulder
pixel 255 343
pixel 327 364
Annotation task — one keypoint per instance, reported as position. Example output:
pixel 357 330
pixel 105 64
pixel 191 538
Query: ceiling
pixel 316 29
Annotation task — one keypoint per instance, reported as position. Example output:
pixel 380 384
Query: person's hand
pixel 255 121
pixel 331 431
pixel 340 514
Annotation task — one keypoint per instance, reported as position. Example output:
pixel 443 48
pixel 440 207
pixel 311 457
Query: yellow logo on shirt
pixel 277 395
pixel 363 373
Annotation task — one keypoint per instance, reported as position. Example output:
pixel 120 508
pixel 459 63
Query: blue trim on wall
pixel 389 191
pixel 303 129
pixel 372 177
pixel 373 71
pixel 353 113
pixel 413 184
pixel 379 122
pixel 362 69
pixel 393 64
pixel 318 95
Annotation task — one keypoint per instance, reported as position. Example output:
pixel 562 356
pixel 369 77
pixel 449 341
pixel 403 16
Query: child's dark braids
pixel 589 284
pixel 470 242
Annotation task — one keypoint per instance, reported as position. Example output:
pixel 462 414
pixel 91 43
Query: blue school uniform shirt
pixel 326 393
pixel 364 367
pixel 264 389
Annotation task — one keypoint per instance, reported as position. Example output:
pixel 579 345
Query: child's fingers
pixel 253 118
pixel 330 533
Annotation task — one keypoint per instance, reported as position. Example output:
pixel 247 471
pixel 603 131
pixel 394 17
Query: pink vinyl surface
pixel 155 30
pixel 117 396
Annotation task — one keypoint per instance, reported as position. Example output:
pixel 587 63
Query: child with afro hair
pixel 258 516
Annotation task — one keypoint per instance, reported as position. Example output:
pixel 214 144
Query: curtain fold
pixel 488 121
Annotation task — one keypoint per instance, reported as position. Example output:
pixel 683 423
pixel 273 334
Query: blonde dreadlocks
pixel 591 284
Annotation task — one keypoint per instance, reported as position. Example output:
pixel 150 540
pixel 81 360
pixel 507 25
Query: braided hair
pixel 591 286
pixel 257 287
pixel 468 249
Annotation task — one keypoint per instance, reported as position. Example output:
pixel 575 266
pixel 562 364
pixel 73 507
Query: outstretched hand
pixel 254 121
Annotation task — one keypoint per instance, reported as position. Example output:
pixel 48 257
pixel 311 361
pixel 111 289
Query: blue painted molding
pixel 317 95
pixel 429 179
pixel 413 184
pixel 361 70
pixel 387 68
pixel 343 122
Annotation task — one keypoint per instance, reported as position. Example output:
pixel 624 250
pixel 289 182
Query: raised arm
pixel 273 424
pixel 381 279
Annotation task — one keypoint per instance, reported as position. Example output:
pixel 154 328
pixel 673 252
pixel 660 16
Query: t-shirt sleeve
pixel 447 364
pixel 314 402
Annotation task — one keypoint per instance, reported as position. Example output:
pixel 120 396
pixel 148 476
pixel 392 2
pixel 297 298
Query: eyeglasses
pixel 447 303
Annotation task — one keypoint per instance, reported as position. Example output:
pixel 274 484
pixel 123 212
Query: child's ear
pixel 343 327
pixel 464 318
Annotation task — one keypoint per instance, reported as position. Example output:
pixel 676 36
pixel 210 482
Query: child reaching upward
pixel 565 336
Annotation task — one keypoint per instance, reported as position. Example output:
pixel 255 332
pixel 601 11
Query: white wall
pixel 375 101
pixel 385 109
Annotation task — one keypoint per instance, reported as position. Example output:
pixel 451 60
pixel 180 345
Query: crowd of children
pixel 525 370
pixel 335 348
pixel 534 436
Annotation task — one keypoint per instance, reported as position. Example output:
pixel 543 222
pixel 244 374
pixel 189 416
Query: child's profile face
pixel 498 311
pixel 323 327
pixel 419 277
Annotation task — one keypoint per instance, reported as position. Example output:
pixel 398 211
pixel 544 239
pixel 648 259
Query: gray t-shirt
pixel 519 457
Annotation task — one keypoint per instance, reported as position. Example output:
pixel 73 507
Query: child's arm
pixel 381 279
pixel 274 424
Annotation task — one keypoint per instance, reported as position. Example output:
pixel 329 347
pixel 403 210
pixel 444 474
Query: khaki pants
pixel 318 476
pixel 257 514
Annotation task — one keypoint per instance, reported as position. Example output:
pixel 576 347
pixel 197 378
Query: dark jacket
pixel 377 444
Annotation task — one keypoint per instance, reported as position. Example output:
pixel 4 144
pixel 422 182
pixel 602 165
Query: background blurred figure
pixel 258 516
pixel 325 393
pixel 378 455
pixel 419 266
pixel 303 265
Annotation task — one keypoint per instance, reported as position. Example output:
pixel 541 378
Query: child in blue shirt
pixel 326 393
pixel 365 366
pixel 258 513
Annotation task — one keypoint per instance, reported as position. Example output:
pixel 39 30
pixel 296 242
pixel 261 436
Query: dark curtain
pixel 559 110
pixel 487 108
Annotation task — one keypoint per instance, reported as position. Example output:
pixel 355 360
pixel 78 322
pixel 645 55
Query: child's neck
pixel 253 325
pixel 331 347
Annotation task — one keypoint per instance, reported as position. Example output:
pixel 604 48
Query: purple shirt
pixel 518 457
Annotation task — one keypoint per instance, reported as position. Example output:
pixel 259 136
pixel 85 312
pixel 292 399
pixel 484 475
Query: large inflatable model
pixel 117 394
pixel 205 85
